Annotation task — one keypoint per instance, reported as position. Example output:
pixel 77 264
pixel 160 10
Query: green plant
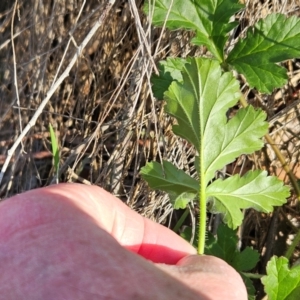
pixel 55 152
pixel 280 281
pixel 200 91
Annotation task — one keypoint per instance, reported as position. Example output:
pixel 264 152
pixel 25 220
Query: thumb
pixel 211 276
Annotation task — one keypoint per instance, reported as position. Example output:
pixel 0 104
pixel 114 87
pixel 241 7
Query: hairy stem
pixel 202 206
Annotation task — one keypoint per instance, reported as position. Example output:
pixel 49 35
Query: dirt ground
pixel 107 123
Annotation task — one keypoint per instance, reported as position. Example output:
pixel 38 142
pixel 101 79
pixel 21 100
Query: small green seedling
pixel 199 92
pixel 55 151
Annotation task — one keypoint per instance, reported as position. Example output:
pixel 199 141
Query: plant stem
pixel 253 276
pixel 279 155
pixel 202 221
pixel 181 220
pixel 202 207
pixel 284 165
pixel 292 247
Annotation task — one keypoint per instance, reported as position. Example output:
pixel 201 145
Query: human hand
pixel 71 241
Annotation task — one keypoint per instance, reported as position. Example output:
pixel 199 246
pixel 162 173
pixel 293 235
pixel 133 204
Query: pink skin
pixel 73 242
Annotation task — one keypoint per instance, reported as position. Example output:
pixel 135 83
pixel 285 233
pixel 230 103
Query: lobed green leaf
pixel 210 19
pixel 169 71
pixel 182 200
pixel 225 247
pixel 272 40
pixel 241 135
pixel 253 190
pixel 280 281
pixel 168 178
pixel 200 102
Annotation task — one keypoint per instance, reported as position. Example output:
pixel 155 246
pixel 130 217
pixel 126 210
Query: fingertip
pixel 218 273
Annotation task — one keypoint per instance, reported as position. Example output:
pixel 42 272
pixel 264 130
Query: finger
pixel 50 249
pixel 48 239
pixel 211 276
pixel 140 235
